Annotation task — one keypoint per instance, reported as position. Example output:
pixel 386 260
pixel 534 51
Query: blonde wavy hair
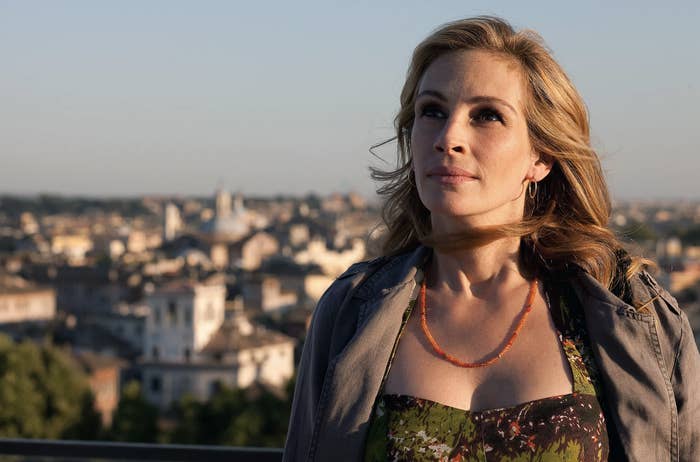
pixel 566 224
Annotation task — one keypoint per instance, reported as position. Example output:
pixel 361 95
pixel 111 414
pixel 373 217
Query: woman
pixel 504 320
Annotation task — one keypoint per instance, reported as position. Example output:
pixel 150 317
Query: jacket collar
pixel 396 272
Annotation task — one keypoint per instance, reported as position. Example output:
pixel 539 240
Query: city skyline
pixel 177 98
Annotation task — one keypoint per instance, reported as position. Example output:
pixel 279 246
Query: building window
pixel 155 353
pixel 214 387
pixel 156 315
pixel 188 354
pixel 156 384
pixel 172 313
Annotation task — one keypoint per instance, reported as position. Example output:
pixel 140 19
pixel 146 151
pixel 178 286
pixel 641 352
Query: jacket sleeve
pixel 312 370
pixel 686 387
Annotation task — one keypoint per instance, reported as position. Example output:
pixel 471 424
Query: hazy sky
pixel 177 97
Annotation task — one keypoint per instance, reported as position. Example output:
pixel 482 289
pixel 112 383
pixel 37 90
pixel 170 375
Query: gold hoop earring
pixel 532 190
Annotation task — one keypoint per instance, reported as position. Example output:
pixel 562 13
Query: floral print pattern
pixel 568 427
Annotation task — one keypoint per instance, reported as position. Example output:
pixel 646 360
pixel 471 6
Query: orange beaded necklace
pixel 440 352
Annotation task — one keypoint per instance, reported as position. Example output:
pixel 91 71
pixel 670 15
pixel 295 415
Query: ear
pixel 540 167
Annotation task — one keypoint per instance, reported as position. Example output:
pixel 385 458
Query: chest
pixel 535 366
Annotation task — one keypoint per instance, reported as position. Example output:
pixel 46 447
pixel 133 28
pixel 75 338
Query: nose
pixel 451 139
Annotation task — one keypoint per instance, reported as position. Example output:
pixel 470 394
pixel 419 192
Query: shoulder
pixel 351 279
pixel 641 292
pixel 367 279
pixel 362 267
pixel 646 293
pixel 338 294
pixel 651 298
pixel 645 300
pixel 378 274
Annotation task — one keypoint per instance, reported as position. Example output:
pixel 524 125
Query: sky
pixel 132 97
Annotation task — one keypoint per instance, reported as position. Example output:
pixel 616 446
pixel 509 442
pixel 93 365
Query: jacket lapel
pixel 358 370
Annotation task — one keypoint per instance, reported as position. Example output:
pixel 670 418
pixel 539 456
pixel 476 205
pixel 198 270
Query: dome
pixel 227 224
pixel 229 228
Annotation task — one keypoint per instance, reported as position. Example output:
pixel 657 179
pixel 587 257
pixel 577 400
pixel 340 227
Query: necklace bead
pixel 452 359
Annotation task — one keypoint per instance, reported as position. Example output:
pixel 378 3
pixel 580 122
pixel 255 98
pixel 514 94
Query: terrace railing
pixel 26 450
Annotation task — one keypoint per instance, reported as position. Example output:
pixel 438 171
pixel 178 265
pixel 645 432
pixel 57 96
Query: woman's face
pixel 470 144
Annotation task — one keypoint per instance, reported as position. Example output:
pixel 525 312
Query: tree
pixel 187 411
pixel 43 393
pixel 134 420
pixel 89 425
pixel 234 417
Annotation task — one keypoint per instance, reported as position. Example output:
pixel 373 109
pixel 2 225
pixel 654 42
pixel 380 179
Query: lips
pixel 450 174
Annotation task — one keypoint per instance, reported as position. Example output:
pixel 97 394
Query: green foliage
pixel 43 393
pixel 134 419
pixel 89 425
pixel 187 411
pixel 233 418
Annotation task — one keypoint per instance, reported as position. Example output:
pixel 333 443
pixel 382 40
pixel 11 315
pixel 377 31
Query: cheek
pixel 506 153
pixel 498 139
pixel 419 136
pixel 420 150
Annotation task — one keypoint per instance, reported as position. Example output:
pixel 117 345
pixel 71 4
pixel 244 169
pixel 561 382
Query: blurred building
pixel 190 348
pixel 103 373
pixel 21 301
pixel 332 261
pixel 250 252
pixel 126 322
pixel 172 222
pixel 228 225
pixel 182 318
pixel 73 247
pixel 28 223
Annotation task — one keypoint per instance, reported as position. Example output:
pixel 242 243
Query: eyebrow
pixel 473 99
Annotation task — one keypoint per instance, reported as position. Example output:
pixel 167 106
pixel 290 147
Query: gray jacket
pixel 646 354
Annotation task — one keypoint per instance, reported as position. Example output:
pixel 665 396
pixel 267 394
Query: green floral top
pixel 568 427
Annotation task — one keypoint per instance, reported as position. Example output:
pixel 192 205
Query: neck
pixel 482 269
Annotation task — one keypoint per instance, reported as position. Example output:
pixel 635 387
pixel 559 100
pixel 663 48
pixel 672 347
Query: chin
pixel 475 213
pixel 455 211
pixel 450 203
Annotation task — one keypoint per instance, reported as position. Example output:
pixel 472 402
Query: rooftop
pixel 240 334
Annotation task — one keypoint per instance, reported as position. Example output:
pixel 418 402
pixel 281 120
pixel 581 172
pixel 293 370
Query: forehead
pixel 463 74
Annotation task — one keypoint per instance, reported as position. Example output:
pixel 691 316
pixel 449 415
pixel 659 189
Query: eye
pixel 432 110
pixel 487 115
